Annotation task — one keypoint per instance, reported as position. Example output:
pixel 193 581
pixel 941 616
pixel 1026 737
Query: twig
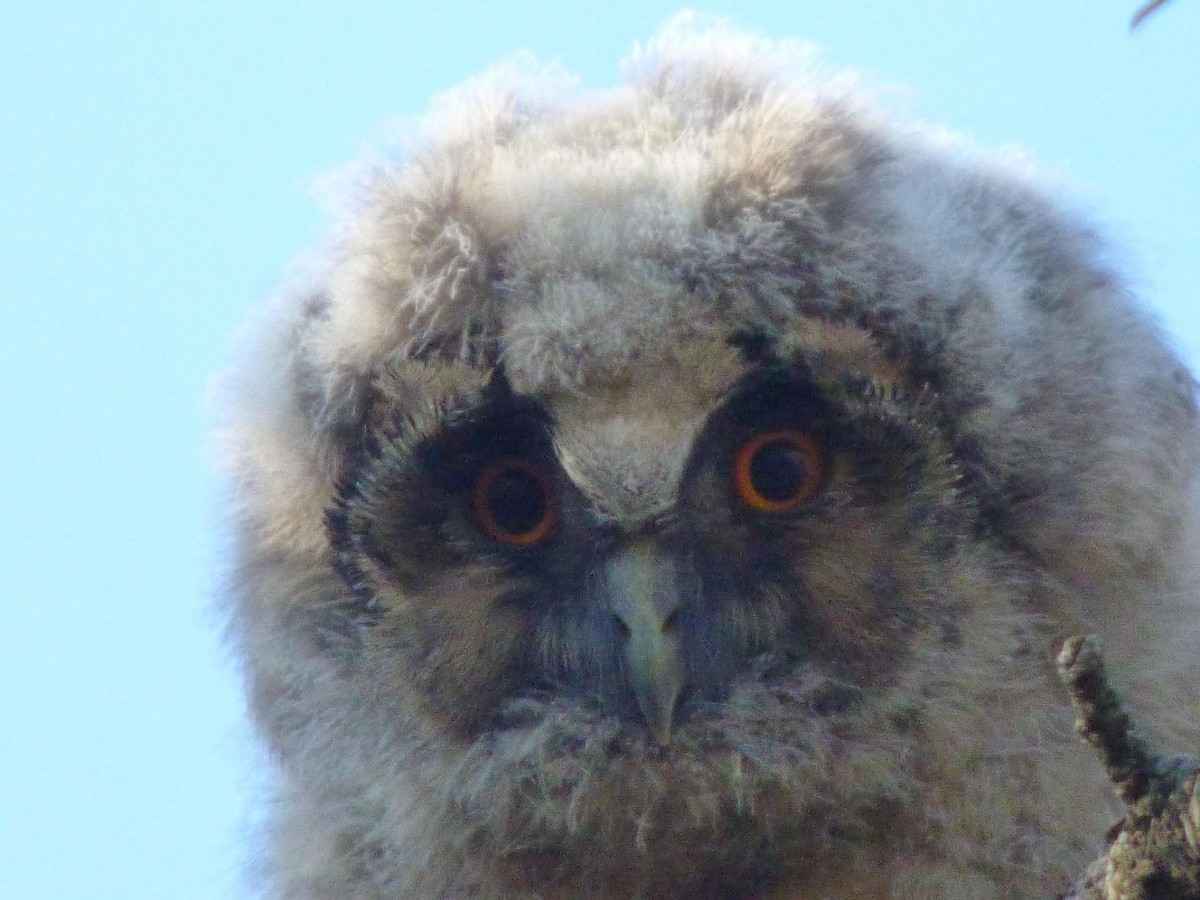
pixel 1142 14
pixel 1154 851
pixel 1102 721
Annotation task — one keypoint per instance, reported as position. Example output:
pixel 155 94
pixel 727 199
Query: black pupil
pixel 516 501
pixel 778 471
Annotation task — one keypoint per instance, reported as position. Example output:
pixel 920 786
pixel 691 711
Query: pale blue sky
pixel 155 163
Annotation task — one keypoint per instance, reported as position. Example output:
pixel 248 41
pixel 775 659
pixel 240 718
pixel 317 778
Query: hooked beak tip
pixel 658 714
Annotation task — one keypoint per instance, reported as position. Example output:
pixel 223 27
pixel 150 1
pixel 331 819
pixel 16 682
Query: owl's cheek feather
pixel 452 650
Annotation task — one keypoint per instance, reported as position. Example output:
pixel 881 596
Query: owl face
pixel 638 562
pixel 637 585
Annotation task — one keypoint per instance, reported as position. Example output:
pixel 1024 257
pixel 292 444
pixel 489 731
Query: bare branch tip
pixel 1102 720
pixel 1144 13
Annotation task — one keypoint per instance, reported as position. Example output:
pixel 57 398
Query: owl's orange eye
pixel 778 471
pixel 513 503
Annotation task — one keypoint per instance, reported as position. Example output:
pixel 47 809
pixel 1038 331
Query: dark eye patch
pixel 781 438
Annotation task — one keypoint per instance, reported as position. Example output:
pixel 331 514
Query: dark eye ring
pixel 513 503
pixel 779 470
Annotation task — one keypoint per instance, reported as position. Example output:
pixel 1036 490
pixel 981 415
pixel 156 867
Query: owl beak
pixel 645 597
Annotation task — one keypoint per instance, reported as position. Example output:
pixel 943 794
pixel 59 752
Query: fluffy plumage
pixel 608 297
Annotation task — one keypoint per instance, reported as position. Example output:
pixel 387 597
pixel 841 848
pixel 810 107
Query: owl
pixel 682 491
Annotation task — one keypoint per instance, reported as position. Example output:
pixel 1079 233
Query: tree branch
pixel 1154 851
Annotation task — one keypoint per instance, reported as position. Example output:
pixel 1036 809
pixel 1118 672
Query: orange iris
pixel 779 470
pixel 513 503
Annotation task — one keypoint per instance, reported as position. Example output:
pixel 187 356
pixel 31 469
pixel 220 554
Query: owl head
pixel 683 488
